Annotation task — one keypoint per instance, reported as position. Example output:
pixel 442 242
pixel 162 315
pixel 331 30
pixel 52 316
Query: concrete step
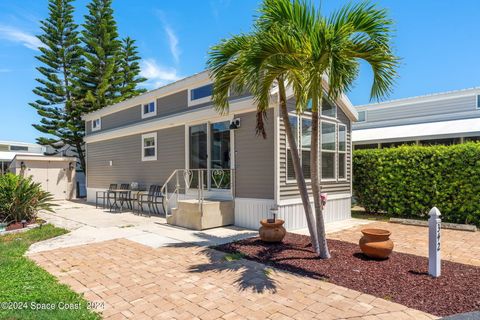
pixel 213 213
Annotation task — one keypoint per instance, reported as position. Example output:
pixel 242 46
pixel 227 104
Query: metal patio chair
pixel 153 198
pixel 104 195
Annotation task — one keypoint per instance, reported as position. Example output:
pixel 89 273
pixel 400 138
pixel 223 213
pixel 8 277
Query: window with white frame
pixel 149 109
pixel 149 146
pixel 96 124
pixel 329 109
pixel 362 116
pixel 302 130
pixel 200 94
pixel 328 148
pixel 342 151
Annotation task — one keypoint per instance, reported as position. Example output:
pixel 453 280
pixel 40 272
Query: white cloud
pixel 16 35
pixel 172 42
pixel 157 75
pixel 172 37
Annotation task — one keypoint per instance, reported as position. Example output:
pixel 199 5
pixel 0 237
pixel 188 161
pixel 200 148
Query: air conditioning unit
pixel 235 124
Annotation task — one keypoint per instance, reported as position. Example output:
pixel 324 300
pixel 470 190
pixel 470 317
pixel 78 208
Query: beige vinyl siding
pixel 122 118
pixel 254 158
pixel 288 189
pixel 126 155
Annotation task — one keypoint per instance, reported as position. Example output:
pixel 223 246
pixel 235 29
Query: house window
pixel 302 129
pixel 478 101
pixel 329 109
pixel 149 146
pixel 342 152
pixel 18 148
pixel 328 147
pixel 362 116
pixel 96 124
pixel 149 110
pixel 201 92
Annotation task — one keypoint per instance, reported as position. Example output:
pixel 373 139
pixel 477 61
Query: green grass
pixel 233 256
pixel 21 280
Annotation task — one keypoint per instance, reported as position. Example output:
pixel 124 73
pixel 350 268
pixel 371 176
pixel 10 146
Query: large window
pixel 201 92
pixel 329 109
pixel 18 148
pixel 149 146
pixel 302 130
pixel 149 110
pixel 342 152
pixel 328 148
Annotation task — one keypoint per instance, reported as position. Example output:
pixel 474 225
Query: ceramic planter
pixel 376 243
pixel 272 231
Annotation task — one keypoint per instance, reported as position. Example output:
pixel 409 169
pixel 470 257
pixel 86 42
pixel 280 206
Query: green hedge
pixel 408 181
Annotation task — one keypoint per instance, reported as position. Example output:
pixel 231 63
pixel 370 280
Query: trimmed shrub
pixel 408 181
pixel 21 198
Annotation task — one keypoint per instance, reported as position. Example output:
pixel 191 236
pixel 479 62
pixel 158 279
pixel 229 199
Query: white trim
pixel 276 156
pixel 335 151
pixel 41 157
pixel 99 126
pixel 287 202
pixel 195 102
pixel 146 136
pixel 342 152
pixel 151 113
pixel 365 113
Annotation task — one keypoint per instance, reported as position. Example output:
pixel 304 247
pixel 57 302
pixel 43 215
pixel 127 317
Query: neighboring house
pixel 442 118
pixel 146 138
pixel 9 149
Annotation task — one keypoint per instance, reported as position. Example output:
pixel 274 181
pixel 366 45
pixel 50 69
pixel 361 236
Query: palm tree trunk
pixel 316 187
pixel 302 186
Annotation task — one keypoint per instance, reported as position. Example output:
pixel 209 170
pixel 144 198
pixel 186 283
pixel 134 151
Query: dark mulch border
pixel 18 225
pixel 403 278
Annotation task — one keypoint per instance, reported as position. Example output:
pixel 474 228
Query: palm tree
pixel 294 44
pixel 240 64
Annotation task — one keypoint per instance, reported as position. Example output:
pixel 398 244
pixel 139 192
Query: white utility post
pixel 434 226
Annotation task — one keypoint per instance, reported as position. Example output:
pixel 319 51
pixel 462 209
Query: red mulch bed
pixel 403 278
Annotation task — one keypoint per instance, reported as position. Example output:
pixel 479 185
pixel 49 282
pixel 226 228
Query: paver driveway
pixel 457 246
pixel 184 281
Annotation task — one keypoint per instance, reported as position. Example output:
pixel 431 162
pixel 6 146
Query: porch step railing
pixel 181 181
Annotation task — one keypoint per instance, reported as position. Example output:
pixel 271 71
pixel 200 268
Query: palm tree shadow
pixel 251 275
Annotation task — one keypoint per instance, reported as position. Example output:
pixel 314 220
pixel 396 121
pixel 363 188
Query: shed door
pixel 57 180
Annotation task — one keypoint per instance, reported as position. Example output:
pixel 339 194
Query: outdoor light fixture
pixel 23 166
pixel 24 223
pixel 71 166
pixel 235 124
pixel 274 211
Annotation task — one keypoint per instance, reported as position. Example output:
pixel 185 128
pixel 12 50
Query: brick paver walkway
pixel 457 246
pixel 188 282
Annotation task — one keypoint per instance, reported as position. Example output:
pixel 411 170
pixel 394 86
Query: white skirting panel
pixel 248 212
pixel 336 209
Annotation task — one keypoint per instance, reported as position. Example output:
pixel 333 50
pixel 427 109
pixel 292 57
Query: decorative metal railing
pixel 181 181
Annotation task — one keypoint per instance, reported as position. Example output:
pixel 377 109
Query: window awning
pixel 431 130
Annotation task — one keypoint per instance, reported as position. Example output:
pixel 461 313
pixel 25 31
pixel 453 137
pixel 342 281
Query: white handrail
pixel 216 177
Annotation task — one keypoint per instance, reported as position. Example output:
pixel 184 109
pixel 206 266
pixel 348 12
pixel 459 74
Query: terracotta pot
pixel 376 243
pixel 272 231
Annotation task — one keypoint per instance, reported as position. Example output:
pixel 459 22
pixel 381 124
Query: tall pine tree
pixel 100 76
pixel 58 103
pixel 129 67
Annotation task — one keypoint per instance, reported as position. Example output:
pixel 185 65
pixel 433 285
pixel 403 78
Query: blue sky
pixel 438 42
